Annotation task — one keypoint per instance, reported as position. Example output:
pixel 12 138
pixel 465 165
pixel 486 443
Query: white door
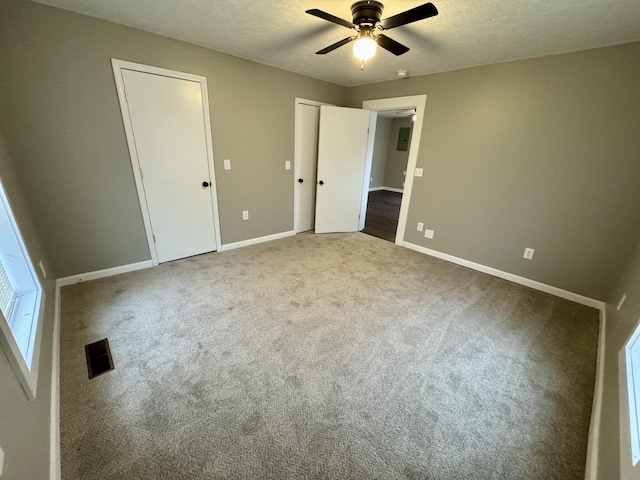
pixel 167 118
pixel 342 159
pixel 306 165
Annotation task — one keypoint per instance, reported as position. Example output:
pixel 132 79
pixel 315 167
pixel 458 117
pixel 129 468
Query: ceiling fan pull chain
pixel 362 67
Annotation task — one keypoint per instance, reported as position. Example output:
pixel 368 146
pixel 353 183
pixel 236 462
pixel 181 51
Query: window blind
pixel 7 294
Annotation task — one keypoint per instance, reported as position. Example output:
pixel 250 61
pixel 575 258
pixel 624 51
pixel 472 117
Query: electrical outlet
pixel 420 226
pixel 528 253
pixel 227 164
pixel 44 272
pixel 418 172
pixel 287 165
pixel 622 299
pixel 428 233
pixel 1 460
pixel 245 214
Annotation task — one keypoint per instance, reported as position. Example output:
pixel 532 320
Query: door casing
pixel 401 103
pixel 118 66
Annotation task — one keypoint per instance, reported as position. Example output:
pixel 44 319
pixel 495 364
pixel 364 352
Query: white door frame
pixel 296 155
pixel 118 66
pixel 402 103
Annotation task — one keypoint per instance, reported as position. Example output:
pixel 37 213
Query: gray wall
pixel 620 325
pixel 380 152
pixel 24 425
pixel 62 122
pixel 396 159
pixel 538 153
pixel 535 153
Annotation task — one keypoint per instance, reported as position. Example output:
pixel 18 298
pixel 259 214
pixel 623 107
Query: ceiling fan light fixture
pixel 365 46
pixel 367 18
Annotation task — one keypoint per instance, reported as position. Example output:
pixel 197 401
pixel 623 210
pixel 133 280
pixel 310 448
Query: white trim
pixel 118 66
pixel 389 189
pixel 26 373
pixel 254 241
pixel 28 378
pixel 107 272
pixel 627 467
pixel 591 471
pixel 55 472
pixel 399 103
pixel 296 156
pixel 368 164
pixel 558 292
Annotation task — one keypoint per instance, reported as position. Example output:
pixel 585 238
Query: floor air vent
pixel 99 359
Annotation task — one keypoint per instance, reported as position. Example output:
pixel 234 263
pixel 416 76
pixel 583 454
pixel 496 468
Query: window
pixel 20 301
pixel 632 357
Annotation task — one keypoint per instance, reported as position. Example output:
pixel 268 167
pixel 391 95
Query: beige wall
pixel 538 153
pixel 396 159
pixel 24 425
pixel 62 122
pixel 380 152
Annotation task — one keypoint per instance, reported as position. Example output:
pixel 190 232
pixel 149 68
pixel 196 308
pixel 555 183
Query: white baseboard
pixel 558 292
pixel 107 272
pixel 55 472
pixel 591 470
pixel 389 189
pixel 254 241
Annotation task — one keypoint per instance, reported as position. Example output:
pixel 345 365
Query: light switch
pixel 287 165
pixel 227 164
pixel 418 172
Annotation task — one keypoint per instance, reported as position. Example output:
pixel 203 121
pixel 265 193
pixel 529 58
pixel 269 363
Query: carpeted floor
pixel 324 356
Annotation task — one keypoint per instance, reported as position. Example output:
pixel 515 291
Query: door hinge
pixel 154 238
pixel 126 94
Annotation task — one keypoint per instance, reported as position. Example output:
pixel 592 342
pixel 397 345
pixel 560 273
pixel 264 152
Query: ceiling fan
pixel 366 23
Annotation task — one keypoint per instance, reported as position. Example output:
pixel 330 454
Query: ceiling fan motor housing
pixel 366 13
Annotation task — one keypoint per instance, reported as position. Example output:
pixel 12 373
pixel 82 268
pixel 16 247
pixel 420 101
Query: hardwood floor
pixel 383 211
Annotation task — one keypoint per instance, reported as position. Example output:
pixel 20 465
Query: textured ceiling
pixel 465 33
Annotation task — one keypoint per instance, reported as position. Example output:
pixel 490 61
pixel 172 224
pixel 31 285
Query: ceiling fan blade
pixel 331 48
pixel 331 18
pixel 419 13
pixel 391 45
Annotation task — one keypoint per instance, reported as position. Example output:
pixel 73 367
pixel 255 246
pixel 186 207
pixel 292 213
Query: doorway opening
pixel 417 104
pixel 388 171
pixel 339 144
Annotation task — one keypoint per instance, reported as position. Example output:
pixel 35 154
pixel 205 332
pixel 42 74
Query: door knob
pixel 300 180
pixel 320 182
pixel 205 184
